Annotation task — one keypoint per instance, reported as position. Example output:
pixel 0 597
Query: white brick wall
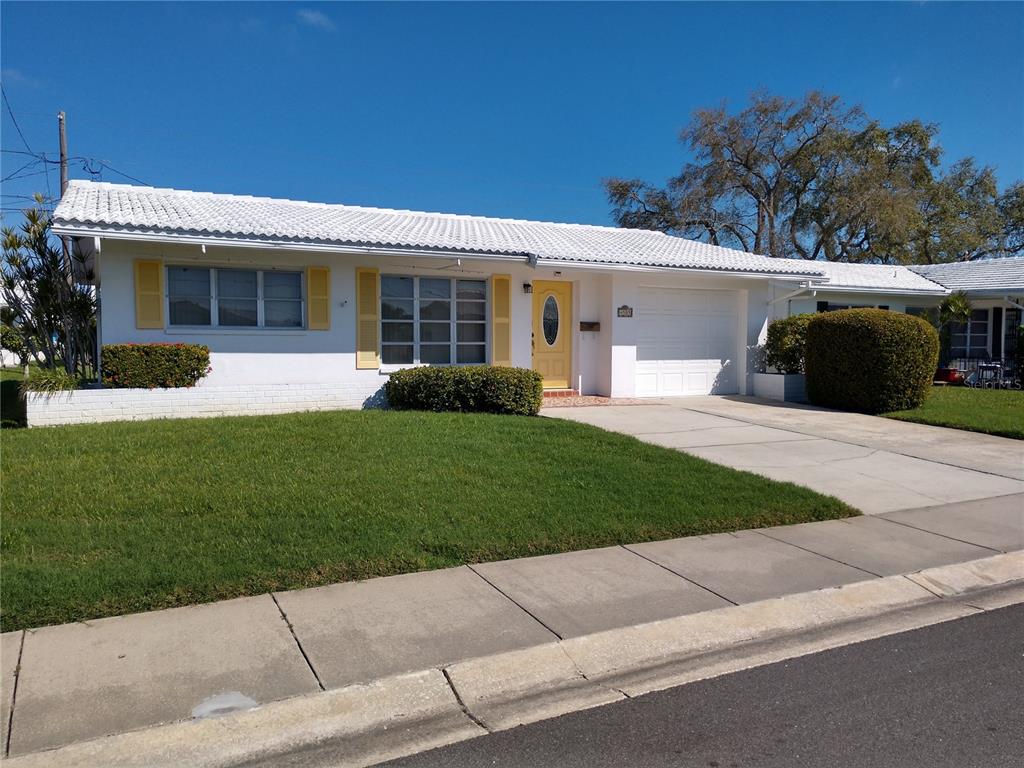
pixel 86 406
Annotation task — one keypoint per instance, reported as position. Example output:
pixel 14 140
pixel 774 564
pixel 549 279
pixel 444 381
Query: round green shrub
pixel 870 360
pixel 481 388
pixel 785 347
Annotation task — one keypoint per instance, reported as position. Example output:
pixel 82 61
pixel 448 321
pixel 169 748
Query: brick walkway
pixel 578 401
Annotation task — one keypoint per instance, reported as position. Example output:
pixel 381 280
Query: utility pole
pixel 63 136
pixel 63 153
pixel 65 246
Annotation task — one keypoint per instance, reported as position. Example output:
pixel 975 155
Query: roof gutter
pixel 284 245
pixel 603 266
pixel 804 288
pixel 995 292
pixel 888 291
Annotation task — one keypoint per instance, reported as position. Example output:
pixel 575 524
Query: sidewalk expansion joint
pixel 819 554
pixel 677 574
pixel 936 533
pixel 517 604
pixel 298 643
pixel 14 694
pixel 923 586
pixel 462 705
pixel 978 608
pixel 583 675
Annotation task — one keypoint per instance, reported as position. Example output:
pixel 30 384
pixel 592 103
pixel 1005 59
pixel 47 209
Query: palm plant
pixel 955 308
pixel 54 313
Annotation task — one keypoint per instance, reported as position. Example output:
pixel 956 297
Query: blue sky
pixel 514 110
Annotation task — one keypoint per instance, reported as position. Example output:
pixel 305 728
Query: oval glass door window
pixel 550 320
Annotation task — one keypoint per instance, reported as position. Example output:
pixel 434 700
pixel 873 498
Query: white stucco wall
pixel 279 356
pixel 604 362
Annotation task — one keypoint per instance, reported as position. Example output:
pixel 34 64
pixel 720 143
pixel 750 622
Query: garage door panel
pixel 720 351
pixel 691 350
pixel 671 384
pixel 691 327
pixel 646 384
pixel 687 342
pixel 698 382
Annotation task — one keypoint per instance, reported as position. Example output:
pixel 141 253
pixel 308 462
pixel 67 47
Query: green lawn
pixel 114 518
pixel 994 411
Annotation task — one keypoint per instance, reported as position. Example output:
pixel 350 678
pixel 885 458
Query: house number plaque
pixel 625 311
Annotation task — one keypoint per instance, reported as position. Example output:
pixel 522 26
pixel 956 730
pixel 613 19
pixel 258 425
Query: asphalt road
pixel 951 694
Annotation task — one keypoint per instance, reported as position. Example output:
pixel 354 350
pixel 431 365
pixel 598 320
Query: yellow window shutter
pixel 318 298
pixel 367 318
pixel 149 294
pixel 501 320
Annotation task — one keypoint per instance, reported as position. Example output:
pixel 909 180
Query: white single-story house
pixel 298 293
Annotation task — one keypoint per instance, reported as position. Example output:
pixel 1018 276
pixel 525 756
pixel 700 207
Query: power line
pixel 14 119
pixel 21 152
pixel 14 174
pixel 89 164
pixel 43 156
pixel 29 175
pixel 121 173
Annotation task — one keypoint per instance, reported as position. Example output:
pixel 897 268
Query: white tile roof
pixel 883 277
pixel 89 206
pixel 987 275
pixel 95 207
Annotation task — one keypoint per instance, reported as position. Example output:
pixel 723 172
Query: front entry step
pixel 560 393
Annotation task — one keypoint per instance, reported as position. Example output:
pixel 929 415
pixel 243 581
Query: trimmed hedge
pixel 148 366
pixel 786 344
pixel 870 360
pixel 480 388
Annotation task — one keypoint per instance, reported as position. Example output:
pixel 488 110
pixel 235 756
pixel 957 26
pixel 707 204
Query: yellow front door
pixel 552 332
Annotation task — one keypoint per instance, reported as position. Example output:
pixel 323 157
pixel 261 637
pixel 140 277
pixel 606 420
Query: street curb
pixel 360 725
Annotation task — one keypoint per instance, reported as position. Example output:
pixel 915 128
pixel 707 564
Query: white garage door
pixel 686 342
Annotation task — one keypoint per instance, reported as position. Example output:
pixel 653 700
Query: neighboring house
pixel 288 292
pixel 995 288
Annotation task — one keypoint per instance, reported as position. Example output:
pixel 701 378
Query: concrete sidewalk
pixel 80 681
pixel 875 464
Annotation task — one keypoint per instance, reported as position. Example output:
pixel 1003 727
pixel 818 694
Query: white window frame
pixel 214 310
pixel 970 351
pixel 453 321
pixel 840 307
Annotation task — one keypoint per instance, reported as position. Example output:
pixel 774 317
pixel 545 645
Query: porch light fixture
pixel 527 287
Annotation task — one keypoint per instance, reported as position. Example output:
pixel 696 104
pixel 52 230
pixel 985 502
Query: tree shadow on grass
pixel 12 407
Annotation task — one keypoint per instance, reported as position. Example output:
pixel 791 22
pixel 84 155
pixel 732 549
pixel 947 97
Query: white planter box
pixel 787 387
pixel 83 406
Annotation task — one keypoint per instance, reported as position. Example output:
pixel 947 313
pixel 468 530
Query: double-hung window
pixel 433 320
pixel 234 298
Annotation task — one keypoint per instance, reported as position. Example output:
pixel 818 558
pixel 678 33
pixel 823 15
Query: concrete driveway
pixel 877 465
